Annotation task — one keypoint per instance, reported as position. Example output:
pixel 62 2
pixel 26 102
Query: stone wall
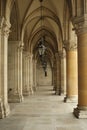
pixel 41 78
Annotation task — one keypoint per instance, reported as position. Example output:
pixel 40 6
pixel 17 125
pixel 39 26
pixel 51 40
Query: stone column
pixel 34 75
pixel 58 71
pixel 4 33
pixel 15 74
pixel 19 94
pixel 30 74
pixel 72 74
pixel 54 75
pixel 81 30
pixel 26 74
pixel 63 72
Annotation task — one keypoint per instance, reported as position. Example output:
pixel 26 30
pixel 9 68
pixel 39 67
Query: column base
pixel 58 92
pixel 1 110
pixel 4 110
pixel 54 88
pixel 31 91
pixel 17 98
pixel 34 88
pixel 71 99
pixel 26 90
pixel 80 112
pixel 26 93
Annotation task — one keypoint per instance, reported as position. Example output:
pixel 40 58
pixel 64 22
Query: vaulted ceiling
pixel 27 15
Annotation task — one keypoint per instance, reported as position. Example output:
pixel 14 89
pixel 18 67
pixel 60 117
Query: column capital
pixel 20 48
pixel 70 45
pixel 80 24
pixel 30 56
pixel 4 26
pixel 1 21
pixel 62 54
pixel 26 54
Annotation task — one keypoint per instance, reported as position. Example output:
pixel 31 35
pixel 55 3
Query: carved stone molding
pixel 4 26
pixel 30 56
pixel 62 54
pixel 15 98
pixel 73 46
pixel 1 24
pixel 80 112
pixel 80 24
pixel 1 109
pixel 20 48
pixel 70 45
pixel 66 44
pixel 1 21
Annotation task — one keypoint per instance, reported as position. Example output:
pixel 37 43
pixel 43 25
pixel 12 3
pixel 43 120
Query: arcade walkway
pixel 43 111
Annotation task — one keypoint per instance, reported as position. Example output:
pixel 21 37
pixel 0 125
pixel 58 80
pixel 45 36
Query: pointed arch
pixel 35 14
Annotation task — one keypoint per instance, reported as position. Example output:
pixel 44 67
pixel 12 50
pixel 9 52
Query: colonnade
pixel 20 80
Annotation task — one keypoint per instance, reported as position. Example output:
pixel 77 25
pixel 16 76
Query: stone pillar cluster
pixel 54 76
pixel 34 75
pixel 63 71
pixel 31 73
pixel 58 74
pixel 4 33
pixel 27 74
pixel 16 70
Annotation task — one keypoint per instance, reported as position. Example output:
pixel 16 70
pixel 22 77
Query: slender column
pixel 30 74
pixel 4 33
pixel 58 64
pixel 26 74
pixel 72 77
pixel 20 95
pixel 63 72
pixel 54 76
pixel 34 75
pixel 1 102
pixel 81 110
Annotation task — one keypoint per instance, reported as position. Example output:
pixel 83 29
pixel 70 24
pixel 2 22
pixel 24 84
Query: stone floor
pixel 43 111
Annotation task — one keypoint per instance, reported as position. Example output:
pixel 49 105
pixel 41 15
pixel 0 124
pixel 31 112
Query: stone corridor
pixel 43 111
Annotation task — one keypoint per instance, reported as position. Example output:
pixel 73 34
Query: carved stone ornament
pixel 62 54
pixel 1 22
pixel 70 45
pixel 66 44
pixel 73 46
pixel 20 47
pixel 4 26
pixel 80 24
